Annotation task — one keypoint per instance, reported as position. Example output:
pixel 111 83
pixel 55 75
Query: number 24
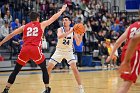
pixel 32 31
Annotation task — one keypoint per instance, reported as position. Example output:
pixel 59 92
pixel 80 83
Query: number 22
pixel 32 31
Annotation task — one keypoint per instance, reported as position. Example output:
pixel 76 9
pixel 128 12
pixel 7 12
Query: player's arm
pixel 118 43
pixel 60 34
pixel 78 38
pixel 53 18
pixel 17 31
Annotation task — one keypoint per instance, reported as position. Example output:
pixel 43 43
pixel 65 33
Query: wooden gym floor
pixel 94 81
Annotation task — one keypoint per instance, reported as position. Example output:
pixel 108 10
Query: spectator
pixel 94 26
pixel 103 53
pixel 23 22
pixel 44 7
pixel 88 30
pixel 8 17
pixel 121 28
pixel 15 24
pixel 1 21
pixel 4 8
pixel 83 5
pixel 69 3
pixel 115 27
pixel 51 38
pixel 16 45
pixel 109 47
pixel 100 36
pixel 5 30
pixel 27 6
pixel 78 52
pixel 76 4
pixel 114 59
pixel 80 15
pixel 37 8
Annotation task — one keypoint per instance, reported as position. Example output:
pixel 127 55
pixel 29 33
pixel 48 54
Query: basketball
pixel 79 28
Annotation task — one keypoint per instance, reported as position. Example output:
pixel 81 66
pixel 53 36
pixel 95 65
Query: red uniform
pixel 135 61
pixel 32 44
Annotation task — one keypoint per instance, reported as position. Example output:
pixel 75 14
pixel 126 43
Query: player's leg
pixel 21 61
pixel 40 60
pixel 77 75
pixel 45 76
pixel 124 87
pixel 12 77
pixel 131 78
pixel 56 58
pixel 51 65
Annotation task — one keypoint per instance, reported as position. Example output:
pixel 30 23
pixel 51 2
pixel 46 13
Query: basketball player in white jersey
pixel 64 49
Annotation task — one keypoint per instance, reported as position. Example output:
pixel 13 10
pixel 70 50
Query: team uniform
pixel 32 44
pixel 64 49
pixel 135 61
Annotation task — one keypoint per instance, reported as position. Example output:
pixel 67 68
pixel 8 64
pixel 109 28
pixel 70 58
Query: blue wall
pixel 132 4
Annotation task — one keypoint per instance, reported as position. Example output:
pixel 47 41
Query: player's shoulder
pixel 136 23
pixel 60 29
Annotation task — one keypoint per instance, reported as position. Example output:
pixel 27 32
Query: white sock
pixel 80 86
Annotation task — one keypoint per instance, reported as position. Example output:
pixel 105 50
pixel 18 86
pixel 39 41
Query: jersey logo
pixel 66 40
pixel 32 31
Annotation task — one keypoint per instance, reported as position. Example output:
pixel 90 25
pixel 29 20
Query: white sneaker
pixel 81 90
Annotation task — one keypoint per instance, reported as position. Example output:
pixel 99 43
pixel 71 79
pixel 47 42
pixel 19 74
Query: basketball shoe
pixel 5 90
pixel 48 90
pixel 81 90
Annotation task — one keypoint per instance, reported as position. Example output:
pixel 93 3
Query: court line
pixel 66 71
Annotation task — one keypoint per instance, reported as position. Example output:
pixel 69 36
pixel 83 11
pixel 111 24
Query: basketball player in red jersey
pixel 32 38
pixel 131 77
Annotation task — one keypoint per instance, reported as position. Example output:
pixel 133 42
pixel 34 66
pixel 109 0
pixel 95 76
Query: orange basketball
pixel 79 28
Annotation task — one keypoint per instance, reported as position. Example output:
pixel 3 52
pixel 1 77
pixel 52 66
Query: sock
pixel 47 88
pixel 80 86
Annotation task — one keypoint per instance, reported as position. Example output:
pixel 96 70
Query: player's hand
pixel 108 59
pixel 82 34
pixel 64 7
pixel 125 68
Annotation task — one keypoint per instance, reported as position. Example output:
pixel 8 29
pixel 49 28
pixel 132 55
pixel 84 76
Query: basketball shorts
pixel 59 55
pixel 135 67
pixel 30 53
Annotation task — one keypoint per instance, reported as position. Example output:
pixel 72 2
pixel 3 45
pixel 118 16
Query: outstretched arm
pixel 17 31
pixel 78 38
pixel 53 18
pixel 118 43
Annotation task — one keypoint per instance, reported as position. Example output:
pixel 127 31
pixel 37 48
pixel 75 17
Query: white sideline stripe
pixel 135 62
pixel 138 68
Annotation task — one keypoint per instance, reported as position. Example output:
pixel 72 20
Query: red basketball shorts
pixel 135 67
pixel 30 53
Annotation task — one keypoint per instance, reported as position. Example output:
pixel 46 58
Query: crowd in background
pixel 102 27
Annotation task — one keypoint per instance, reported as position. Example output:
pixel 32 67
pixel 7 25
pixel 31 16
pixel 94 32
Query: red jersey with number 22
pixel 32 34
